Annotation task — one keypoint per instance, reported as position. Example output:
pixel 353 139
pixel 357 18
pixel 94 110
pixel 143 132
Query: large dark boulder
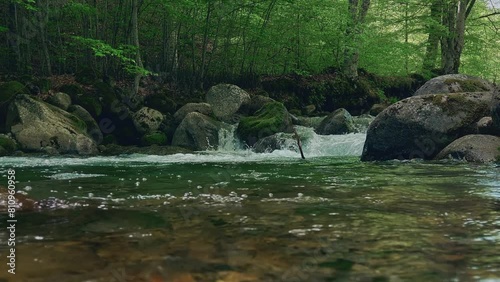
pixel 226 100
pixel 197 132
pixel 338 122
pixel 7 145
pixel 473 148
pixel 270 119
pixel 454 83
pixel 495 112
pixel 39 127
pixel 421 126
pixel 160 102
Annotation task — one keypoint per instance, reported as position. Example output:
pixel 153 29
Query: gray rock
pixel 473 148
pixel 226 100
pixel 313 122
pixel 202 108
pixel 421 126
pixel 256 103
pixel 485 126
pixel 197 132
pixel 36 124
pixel 278 141
pixel 454 83
pixel 147 120
pixel 93 129
pixel 338 122
pixel 61 100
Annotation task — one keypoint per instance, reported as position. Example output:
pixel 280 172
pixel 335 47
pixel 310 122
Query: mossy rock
pixel 78 123
pixel 155 138
pixel 469 85
pixel 10 89
pixel 91 104
pixel 270 119
pixel 73 90
pixel 8 145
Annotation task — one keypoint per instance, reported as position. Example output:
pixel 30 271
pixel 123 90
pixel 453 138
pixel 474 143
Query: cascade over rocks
pixel 226 100
pixel 38 126
pixel 421 126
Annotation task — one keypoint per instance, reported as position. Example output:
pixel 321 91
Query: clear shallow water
pixel 240 216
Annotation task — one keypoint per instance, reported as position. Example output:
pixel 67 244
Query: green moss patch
pixel 468 85
pixel 270 119
pixel 155 138
pixel 10 89
pixel 7 144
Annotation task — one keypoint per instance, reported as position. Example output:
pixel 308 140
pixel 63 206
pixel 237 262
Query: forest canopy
pixel 200 41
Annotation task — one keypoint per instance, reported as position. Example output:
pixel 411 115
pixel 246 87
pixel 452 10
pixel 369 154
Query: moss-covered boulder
pixel 472 148
pixel 454 83
pixel 270 119
pixel 154 138
pixel 10 89
pixel 421 126
pixel 7 145
pixel 60 99
pixel 338 122
pixel 37 125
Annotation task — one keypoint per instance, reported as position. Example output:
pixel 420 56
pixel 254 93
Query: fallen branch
pixel 298 143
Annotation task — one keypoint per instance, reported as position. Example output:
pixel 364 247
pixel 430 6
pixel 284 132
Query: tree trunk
pixel 357 15
pixel 135 42
pixel 453 43
pixel 431 51
pixel 43 19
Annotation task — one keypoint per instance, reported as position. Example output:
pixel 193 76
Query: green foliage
pixel 3 29
pixel 123 53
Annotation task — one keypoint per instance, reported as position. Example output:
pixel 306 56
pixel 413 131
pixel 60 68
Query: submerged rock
pixel 226 100
pixel 270 119
pixel 454 83
pixel 473 148
pixel 338 122
pixel 36 124
pixel 421 126
pixel 197 132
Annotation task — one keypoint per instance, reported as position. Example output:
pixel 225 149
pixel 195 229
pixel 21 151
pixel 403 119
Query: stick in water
pixel 298 143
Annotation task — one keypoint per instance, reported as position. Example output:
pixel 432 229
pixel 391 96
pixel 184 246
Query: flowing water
pixel 234 215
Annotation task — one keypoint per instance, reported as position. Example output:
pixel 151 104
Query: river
pixel 234 215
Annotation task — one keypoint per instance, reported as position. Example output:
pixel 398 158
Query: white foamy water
pixel 73 175
pixel 230 151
